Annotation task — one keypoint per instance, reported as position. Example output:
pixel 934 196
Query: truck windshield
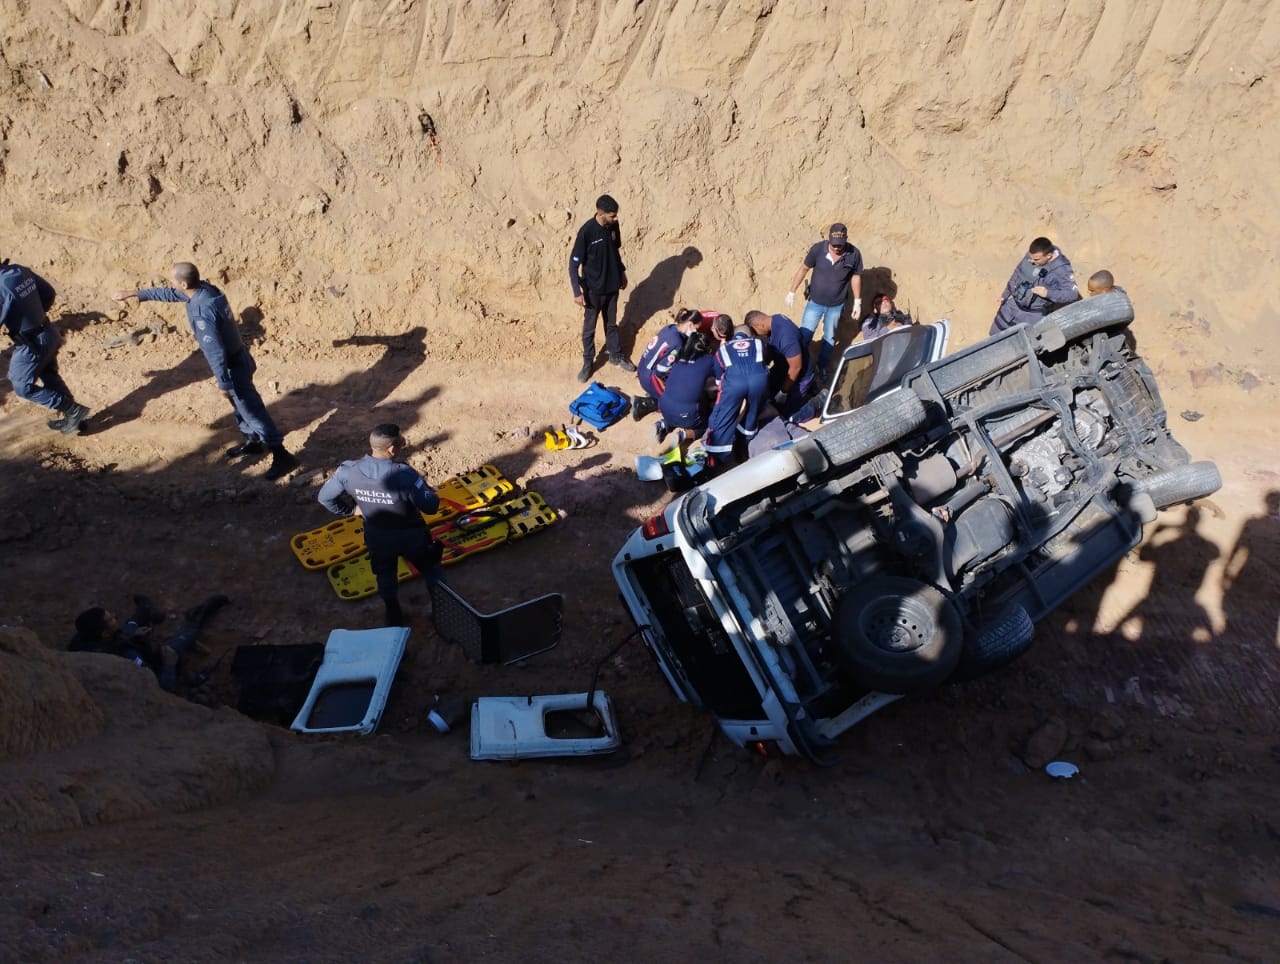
pixel 872 368
pixel 851 386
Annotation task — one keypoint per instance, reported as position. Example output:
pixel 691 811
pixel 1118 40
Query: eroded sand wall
pixel 364 166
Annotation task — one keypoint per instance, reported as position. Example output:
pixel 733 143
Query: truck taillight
pixel 655 527
pixel 766 748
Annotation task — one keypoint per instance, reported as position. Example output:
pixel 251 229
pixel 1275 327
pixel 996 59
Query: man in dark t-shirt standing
pixel 837 270
pixel 597 275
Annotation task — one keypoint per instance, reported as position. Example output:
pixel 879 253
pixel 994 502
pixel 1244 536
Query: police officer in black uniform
pixel 25 297
pixel 391 497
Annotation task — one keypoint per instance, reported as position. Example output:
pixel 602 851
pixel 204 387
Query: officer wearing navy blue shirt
pixel 597 275
pixel 25 297
pixel 789 375
pixel 214 327
pixel 744 386
pixel 391 498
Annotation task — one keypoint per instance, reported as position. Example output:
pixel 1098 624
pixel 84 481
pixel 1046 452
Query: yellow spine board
pixel 344 538
pixel 462 536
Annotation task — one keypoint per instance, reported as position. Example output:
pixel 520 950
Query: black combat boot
pixel 282 463
pixel 250 446
pixel 642 405
pixel 73 415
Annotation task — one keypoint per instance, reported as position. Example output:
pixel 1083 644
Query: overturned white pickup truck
pixel 913 539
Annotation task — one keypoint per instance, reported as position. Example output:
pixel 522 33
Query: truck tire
pixel 1111 310
pixel 898 635
pixel 871 427
pixel 1183 483
pixel 996 644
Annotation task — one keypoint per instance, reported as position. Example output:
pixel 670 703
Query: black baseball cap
pixel 838 236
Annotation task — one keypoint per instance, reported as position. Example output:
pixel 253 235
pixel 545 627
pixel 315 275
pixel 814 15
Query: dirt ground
pixel 139 826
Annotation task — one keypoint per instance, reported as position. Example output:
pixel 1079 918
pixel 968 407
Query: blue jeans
pixel 829 315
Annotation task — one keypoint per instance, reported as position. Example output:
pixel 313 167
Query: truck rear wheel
pixel 996 644
pixel 1110 310
pixel 898 635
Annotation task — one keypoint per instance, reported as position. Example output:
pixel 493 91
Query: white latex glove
pixel 857 307
pixel 790 299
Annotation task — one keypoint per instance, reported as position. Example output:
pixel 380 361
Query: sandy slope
pixel 387 192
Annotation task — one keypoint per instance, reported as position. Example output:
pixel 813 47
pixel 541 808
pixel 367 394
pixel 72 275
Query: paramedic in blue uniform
pixel 837 270
pixel 658 357
pixel 744 386
pixel 25 297
pixel 789 374
pixel 391 498
pixel 214 327
pixel 1041 283
pixel 684 403
pixel 597 275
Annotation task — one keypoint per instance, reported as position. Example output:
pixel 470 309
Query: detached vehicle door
pixel 869 369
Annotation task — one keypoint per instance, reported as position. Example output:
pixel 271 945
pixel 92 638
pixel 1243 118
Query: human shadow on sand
pixel 1181 566
pixel 194 368
pixel 1250 601
pixel 79 320
pixel 656 293
pixel 365 388
pixel 159 382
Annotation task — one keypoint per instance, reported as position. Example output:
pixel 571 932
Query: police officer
pixel 391 497
pixel 744 387
pixel 1041 283
pixel 214 327
pixel 25 297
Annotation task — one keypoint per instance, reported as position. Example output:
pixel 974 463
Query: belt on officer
pixel 28 337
